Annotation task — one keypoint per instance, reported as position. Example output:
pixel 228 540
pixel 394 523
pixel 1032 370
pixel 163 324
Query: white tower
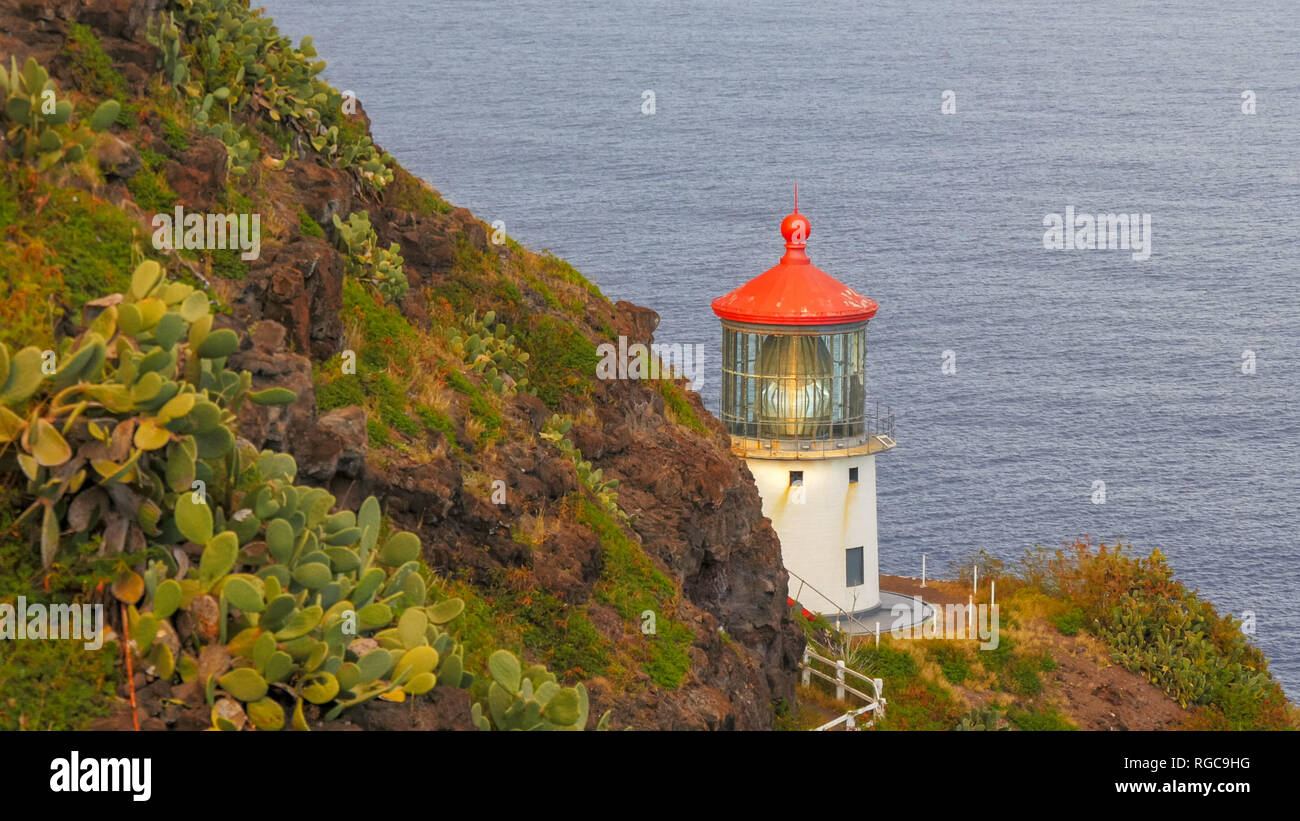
pixel 794 400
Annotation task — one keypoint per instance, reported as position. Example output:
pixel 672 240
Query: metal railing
pixel 876 434
pixel 828 429
pixel 840 614
pixel 878 424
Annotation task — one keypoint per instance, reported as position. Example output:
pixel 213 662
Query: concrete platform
pixel 864 622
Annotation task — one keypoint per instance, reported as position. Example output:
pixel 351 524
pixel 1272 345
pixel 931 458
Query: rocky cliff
pixel 665 596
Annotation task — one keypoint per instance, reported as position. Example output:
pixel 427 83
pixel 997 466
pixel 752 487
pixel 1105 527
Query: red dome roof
pixel 795 292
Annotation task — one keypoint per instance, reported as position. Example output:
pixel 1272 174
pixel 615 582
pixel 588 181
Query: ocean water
pixel 1072 366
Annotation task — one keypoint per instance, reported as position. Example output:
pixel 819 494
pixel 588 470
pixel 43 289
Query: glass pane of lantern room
pixel 858 378
pixel 839 355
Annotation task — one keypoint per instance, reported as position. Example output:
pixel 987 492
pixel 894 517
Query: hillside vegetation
pixel 378 412
pixel 1092 637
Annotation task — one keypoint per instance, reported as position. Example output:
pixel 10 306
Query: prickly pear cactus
pixel 491 350
pixel 125 439
pixel 605 490
pixel 38 122
pixel 530 699
pixel 367 260
pixel 223 51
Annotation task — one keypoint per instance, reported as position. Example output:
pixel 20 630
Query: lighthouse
pixel 795 403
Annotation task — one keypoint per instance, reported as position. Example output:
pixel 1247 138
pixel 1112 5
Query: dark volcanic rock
pixel 337 445
pixel 198 175
pixel 427 492
pixel 443 708
pixel 300 285
pixel 119 18
pixel 117 159
pixel 323 192
pixel 638 324
pixel 279 427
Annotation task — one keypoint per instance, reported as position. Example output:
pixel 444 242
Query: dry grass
pixel 274 225
pixel 1031 604
pixel 433 392
pixel 354 332
pixel 532 529
pixel 226 290
pixel 474 428
pixel 422 453
pixel 478 483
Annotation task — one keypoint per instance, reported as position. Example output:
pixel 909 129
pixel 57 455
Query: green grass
pixel 64 247
pixel 561 269
pixel 90 68
pixel 562 635
pixel 679 408
pixel 151 160
pixel 631 584
pixel 481 409
pixel 94 241
pixel 54 685
pixel 339 392
pixel 392 404
pixel 228 263
pixel 18 557
pixel 1070 622
pixel 389 337
pixel 470 281
pixel 459 383
pixel 387 334
pixel 562 362
pixel 151 192
pixel 1039 720
pixel 309 226
pixel 1017 672
pixel 482 627
pixel 1022 677
pixel 548 296
pixel 409 194
pixel 952 661
pixel 377 432
pixel 174 134
pixel 915 703
pixel 885 662
pixel 438 421
pixel 44 685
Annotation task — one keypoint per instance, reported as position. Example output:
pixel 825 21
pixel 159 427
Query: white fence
pixel 873 704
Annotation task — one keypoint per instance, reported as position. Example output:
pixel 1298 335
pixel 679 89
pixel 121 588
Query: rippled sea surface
pixel 1073 367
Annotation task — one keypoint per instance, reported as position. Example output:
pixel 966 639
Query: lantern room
pixel 794 348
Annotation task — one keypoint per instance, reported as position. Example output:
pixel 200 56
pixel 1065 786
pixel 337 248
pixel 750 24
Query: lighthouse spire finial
pixel 796 230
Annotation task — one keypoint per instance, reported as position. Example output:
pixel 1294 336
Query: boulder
pixel 337 445
pixel 198 175
pixel 300 285
pixel 279 427
pixel 117 159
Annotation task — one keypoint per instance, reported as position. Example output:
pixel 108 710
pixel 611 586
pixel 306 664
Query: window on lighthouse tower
pixel 854 573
